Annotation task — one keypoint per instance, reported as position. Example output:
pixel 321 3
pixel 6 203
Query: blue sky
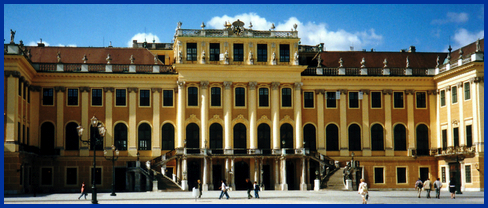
pixel 429 27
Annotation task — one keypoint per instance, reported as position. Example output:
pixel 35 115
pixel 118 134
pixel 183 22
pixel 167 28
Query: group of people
pixel 249 186
pixel 427 185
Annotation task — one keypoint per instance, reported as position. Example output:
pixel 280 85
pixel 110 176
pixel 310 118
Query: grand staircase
pixel 335 181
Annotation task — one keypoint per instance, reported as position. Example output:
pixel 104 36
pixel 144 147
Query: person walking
pixel 437 187
pixel 363 191
pixel 452 187
pixel 427 187
pixel 418 186
pixel 249 188
pixel 224 189
pixel 83 191
pixel 199 186
pixel 256 190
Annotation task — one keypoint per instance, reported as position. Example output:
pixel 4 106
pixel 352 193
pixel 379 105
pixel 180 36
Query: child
pixel 256 190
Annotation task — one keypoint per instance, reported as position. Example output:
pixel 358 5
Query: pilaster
pixel 275 115
pixel 60 118
pixel 227 115
pixel 320 119
pixel 366 132
pixel 156 133
pixel 298 115
pixel 203 114
pixel 132 121
pixel 252 116
pixel 410 119
pixel 180 114
pixel 344 142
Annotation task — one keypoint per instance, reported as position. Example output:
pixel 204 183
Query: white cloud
pixel 464 37
pixel 310 33
pixel 452 17
pixel 140 37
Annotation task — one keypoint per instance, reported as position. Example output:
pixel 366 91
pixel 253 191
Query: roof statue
pixel 363 63
pixel 109 58
pixel 238 27
pixel 408 63
pixel 437 61
pixel 341 63
pixel 272 26
pixel 84 59
pixel 12 36
pixel 385 62
pixel 295 26
pixel 203 25
pixel 58 57
pixel 179 25
pixel 132 59
pixel 250 25
pixel 478 45
pixel 461 53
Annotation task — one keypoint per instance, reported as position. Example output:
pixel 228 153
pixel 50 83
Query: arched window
pixel 422 140
pixel 332 135
pixel 120 136
pixel 193 136
pixel 47 138
pixel 264 137
pixel 377 137
pixel 286 134
pixel 309 137
pixel 400 137
pixel 240 136
pixel 72 140
pixel 168 137
pixel 215 136
pixel 144 137
pixel 354 137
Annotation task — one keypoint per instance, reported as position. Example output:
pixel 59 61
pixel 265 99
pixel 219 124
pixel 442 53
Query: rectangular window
pixel 468 173
pixel 98 176
pixel 443 98
pixel 398 99
pixel 375 99
pixel 72 96
pixel 331 100
pixel 28 96
pixel 215 96
pixel 308 99
pixel 191 51
pixel 263 97
pixel 378 175
pixel 455 135
pixel 238 52
pixel 402 175
pixel 144 98
pixel 71 176
pixel 214 51
pixel 454 94
pixel 444 139
pixel 47 97
pixel 353 100
pixel 20 88
pixel 96 97
pixel 467 91
pixel 286 97
pixel 240 97
pixel 120 97
pixel 162 58
pixel 192 96
pixel 284 53
pixel 421 100
pixel 46 176
pixel 25 92
pixel 262 53
pixel 443 174
pixel 167 98
pixel 469 136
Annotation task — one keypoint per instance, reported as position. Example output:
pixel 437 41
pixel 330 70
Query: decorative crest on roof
pixel 363 63
pixel 408 63
pixel 238 27
pixel 341 63
pixel 84 59
pixel 385 62
pixel 59 57
pixel 109 58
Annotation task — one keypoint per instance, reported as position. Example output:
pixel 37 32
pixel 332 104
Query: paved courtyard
pixel 240 197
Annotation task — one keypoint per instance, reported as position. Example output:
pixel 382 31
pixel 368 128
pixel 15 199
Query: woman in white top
pixel 363 191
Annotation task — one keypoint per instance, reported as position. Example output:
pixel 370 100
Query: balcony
pixel 461 151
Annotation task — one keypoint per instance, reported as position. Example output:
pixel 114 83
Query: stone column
pixel 477 98
pixel 211 186
pixel 277 175
pixel 320 119
pixel 11 110
pixel 462 135
pixel 309 185
pixel 463 173
pixel 178 169
pixel 252 116
pixel 297 107
pixel 34 115
pixel 344 140
pixel 85 121
pixel 109 91
pixel 284 185
pixel 256 173
pixel 232 176
pixel 434 128
pixel 303 185
pixel 450 142
pixel 388 138
pixel 132 120
pixel 410 121
pixel 275 115
pixel 180 114
pixel 227 116
pixel 156 132
pixel 203 113
pixel 205 175
pixel 184 182
pixel 60 103
pixel 366 133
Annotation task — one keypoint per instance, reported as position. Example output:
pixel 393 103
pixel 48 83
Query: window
pixel 96 97
pixel 398 100
pixel 193 136
pixel 264 137
pixel 309 137
pixel 444 139
pixel 286 97
pixel 468 173
pixel 375 99
pixel 23 134
pixel 192 96
pixel 191 51
pixel 162 58
pixel 240 97
pixel 72 139
pixel 46 176
pixel 286 136
pixel 167 98
pixel 214 51
pixel 308 99
pixel 216 136
pixel 469 136
pixel 120 136
pixel 215 96
pixel 28 96
pixel 144 98
pixel 47 97
pixel 72 96
pixel 422 140
pixel 20 88
pixel 284 53
pixel 144 137
pixel 168 137
pixel 332 137
pixel 377 137
pixel 443 98
pixel 353 100
pixel 354 137
pixel 71 176
pixel 240 132
pixel 331 100
pixel 378 175
pixel 400 138
pixel 401 175
pixel 467 91
pixel 19 133
pixel 421 102
pixel 443 174
pixel 454 94
pixel 25 92
pixel 98 176
pixel 120 97
pixel 238 52
pixel 263 97
pixel 262 53
pixel 455 136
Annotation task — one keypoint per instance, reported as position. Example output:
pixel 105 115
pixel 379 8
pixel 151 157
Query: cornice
pixel 457 70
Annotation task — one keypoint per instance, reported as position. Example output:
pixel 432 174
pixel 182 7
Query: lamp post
pixel 96 140
pixel 115 156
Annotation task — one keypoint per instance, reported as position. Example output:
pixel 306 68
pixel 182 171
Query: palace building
pixel 236 103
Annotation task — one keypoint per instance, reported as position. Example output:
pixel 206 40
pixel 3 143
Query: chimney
pixel 134 43
pixel 40 44
pixel 411 49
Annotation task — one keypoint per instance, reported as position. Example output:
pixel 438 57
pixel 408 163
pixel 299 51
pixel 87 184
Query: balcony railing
pixel 453 151
pixel 226 33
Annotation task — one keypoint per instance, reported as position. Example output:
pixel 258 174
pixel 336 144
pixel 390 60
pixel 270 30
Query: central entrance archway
pixel 240 174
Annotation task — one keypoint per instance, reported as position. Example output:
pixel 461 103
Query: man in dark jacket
pixel 249 188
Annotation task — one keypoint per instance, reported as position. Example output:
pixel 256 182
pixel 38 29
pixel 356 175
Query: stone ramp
pixel 166 184
pixel 336 181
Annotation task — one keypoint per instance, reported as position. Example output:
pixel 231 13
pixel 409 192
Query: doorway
pixel 290 175
pixel 241 173
pixel 267 177
pixel 217 176
pixel 455 174
pixel 193 174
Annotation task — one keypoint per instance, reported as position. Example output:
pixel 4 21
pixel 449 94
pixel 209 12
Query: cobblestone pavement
pixel 240 197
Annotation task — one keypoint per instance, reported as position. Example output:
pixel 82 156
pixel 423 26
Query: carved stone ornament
pixel 227 84
pixel 203 84
pixel 132 89
pixel 156 89
pixel 252 85
pixel 181 84
pixel 363 63
pixel 385 62
pixel 106 89
pixel 408 63
pixel 84 59
pixel 437 62
pixel 58 57
pixel 132 59
pixel 341 63
pixel 84 89
pixel 109 58
pixel 275 85
pixel 298 85
pixel 238 27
